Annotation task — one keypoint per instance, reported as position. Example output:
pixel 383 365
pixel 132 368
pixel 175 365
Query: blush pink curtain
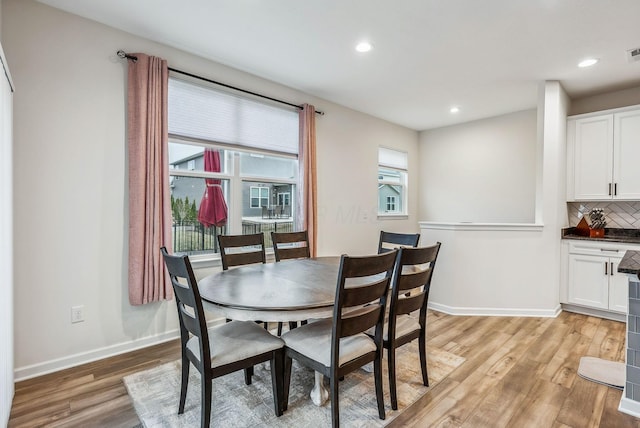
pixel 307 191
pixel 149 200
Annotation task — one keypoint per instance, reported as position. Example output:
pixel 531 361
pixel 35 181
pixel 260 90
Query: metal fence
pixel 191 237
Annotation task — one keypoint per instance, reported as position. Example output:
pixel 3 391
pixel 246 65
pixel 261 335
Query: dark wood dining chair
pixel 222 349
pixel 339 345
pixel 238 250
pixel 290 245
pixel 409 293
pixel 390 240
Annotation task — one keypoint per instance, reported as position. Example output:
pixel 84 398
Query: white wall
pixel 347 181
pixel 605 101
pixel 70 175
pixel 508 270
pixel 481 171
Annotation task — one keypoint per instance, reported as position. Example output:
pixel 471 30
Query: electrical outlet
pixel 77 314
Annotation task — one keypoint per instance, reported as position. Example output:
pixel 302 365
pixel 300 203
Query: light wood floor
pixel 519 372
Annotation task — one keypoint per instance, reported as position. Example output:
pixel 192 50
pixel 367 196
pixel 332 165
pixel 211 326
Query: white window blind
pixel 392 158
pixel 197 111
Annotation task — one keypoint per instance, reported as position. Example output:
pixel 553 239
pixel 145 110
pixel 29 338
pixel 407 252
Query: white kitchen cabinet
pixel 592 279
pixel 626 152
pixel 601 155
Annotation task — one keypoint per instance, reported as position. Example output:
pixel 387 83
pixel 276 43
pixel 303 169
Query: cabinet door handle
pixel 615 189
pixel 609 189
pixel 606 265
pixel 609 250
pixel 611 271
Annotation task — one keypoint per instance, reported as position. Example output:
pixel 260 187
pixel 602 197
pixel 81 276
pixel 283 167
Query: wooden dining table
pixel 290 290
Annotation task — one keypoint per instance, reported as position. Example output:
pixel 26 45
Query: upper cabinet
pixel 602 153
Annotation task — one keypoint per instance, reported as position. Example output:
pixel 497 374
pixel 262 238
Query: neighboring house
pixel 255 194
pixel 389 198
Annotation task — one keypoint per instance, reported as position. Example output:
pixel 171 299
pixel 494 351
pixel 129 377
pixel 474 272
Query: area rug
pixel 155 394
pixel 610 373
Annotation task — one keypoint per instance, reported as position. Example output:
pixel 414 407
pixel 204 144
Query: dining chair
pixel 238 250
pixel 337 346
pixel 390 240
pixel 409 293
pixel 290 245
pixel 222 349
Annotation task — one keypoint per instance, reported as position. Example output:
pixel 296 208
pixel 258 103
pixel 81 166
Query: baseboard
pixel 595 312
pixel 35 370
pixel 496 312
pixel 628 406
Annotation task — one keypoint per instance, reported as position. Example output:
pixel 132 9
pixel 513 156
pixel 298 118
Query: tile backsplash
pixel 620 214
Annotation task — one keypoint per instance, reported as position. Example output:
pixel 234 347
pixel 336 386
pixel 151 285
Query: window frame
pixel 260 197
pixel 391 202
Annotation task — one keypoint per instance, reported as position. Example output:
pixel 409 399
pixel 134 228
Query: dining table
pixel 289 290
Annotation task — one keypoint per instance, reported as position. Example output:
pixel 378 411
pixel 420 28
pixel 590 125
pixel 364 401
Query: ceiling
pixel 486 57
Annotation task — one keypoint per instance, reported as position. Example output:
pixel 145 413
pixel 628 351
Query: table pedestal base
pixel 319 394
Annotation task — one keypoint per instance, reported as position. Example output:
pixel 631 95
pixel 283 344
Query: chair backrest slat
pixel 363 294
pixel 406 305
pixel 390 240
pixel 248 249
pixel 296 245
pixel 409 281
pixel 354 323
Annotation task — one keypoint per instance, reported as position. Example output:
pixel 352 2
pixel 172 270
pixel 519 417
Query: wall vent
pixel 633 55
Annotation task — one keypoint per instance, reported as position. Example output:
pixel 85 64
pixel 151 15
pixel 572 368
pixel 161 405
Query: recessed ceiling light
pixel 587 62
pixel 364 47
pixel 454 110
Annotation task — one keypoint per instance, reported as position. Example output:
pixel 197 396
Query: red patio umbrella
pixel 213 208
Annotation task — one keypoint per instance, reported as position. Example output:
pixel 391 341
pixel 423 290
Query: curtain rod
pixel 123 54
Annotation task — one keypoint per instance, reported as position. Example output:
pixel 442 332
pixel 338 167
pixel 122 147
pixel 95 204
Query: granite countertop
pixel 629 236
pixel 630 263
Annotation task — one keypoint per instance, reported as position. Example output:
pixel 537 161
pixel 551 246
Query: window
pixel 392 182
pixel 259 197
pixel 225 149
pixel 391 203
pixel 284 199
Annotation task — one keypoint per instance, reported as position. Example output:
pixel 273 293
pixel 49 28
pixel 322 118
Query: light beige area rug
pixel 610 373
pixel 155 394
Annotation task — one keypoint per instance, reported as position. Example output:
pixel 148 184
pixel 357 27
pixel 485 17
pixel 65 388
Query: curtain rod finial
pixel 122 54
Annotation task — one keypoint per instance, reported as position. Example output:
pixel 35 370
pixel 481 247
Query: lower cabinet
pixel 594 282
pixel 592 278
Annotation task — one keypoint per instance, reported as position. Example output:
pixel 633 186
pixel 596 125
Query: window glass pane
pixel 259 165
pixel 275 212
pixel 191 231
pixel 390 175
pixel 189 157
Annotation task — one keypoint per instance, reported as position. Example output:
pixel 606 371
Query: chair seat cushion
pixel 404 325
pixel 314 341
pixel 235 341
